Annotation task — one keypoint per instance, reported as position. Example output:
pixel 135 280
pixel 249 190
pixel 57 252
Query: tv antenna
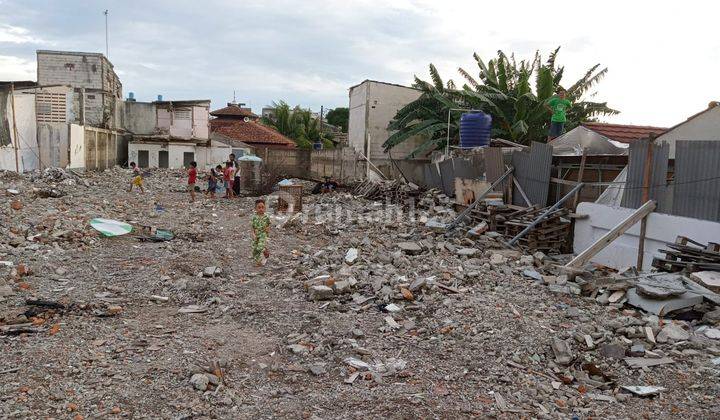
pixel 107 49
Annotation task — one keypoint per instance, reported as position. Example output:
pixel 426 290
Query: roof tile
pixel 251 132
pixel 622 132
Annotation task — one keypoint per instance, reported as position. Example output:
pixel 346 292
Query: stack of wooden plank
pixel 691 256
pixel 550 235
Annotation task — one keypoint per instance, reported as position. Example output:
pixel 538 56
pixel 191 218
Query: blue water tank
pixel 475 129
pixel 317 146
pixel 159 98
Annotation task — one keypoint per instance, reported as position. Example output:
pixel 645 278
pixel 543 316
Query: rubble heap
pixel 365 309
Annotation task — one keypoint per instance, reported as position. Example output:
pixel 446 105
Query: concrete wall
pixel 205 157
pixel 185 122
pixel 139 117
pixel 91 72
pixel 372 106
pixel 54 143
pixel 26 129
pixel 705 126
pixel 77 70
pixel 77 146
pixel 357 115
pixel 661 229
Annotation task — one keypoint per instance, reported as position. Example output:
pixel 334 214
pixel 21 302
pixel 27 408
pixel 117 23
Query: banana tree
pixel 505 91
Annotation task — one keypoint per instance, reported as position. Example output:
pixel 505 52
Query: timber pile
pixel 550 235
pixel 691 256
pixel 393 191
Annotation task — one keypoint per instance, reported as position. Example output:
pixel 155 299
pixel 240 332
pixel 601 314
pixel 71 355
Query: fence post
pixel 647 176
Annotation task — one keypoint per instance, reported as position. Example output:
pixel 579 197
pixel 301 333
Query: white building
pixel 171 134
pixel 373 105
pixel 705 125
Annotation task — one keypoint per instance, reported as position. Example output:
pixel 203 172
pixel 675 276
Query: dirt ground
pixel 478 347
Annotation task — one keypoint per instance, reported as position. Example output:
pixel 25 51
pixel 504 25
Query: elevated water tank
pixel 475 129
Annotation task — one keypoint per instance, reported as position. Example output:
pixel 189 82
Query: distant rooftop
pixel 623 133
pixel 233 110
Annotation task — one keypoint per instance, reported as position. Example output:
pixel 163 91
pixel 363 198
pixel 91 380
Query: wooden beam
pixel 581 172
pixel 611 235
pixel 522 193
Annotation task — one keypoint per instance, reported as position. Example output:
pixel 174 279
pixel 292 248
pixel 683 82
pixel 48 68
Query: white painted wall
pixel 661 228
pixel 77 146
pixel 705 126
pixel 372 106
pixel 27 133
pixel 205 157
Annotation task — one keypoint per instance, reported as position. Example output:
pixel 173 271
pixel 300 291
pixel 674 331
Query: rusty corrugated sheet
pixel 697 180
pixel 532 171
pixel 632 198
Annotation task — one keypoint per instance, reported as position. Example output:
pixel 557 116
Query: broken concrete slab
pixel 672 332
pixel 412 248
pixel 467 252
pixel 662 307
pixel 320 292
pixel 562 351
pixel 661 287
pixel 641 362
pixel 351 256
pixel 643 391
pixel 709 279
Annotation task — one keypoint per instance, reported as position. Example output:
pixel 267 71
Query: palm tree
pixel 504 91
pixel 296 123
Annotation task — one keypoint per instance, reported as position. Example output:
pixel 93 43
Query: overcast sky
pixel 663 56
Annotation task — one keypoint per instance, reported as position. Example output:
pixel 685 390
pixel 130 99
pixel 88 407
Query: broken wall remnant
pixel 661 229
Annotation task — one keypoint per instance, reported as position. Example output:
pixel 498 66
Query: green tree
pixel 505 91
pixel 296 123
pixel 339 117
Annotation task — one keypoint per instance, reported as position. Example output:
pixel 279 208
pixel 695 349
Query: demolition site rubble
pixel 368 307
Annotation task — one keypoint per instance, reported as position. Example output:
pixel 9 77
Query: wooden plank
pixel 614 233
pixel 522 193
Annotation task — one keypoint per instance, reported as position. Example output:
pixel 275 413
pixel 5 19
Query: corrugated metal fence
pixel 695 189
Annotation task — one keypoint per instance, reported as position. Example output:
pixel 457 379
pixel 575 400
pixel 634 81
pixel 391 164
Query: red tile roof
pixel 622 132
pixel 252 133
pixel 233 111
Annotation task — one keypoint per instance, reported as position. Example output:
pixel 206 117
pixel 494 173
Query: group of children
pixel 230 177
pixel 260 222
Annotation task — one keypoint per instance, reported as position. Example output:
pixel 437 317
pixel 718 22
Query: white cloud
pixel 16 35
pixel 16 68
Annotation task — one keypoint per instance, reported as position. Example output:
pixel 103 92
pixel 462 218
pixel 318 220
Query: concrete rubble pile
pixel 366 308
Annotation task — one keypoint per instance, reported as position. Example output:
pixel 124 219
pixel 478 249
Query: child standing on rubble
pixel 192 180
pixel 228 177
pixel 212 181
pixel 260 229
pixel 137 180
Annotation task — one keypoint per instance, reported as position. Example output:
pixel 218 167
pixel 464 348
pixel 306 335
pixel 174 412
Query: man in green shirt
pixel 558 105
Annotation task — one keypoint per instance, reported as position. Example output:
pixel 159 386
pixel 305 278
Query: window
pixel 182 114
pixel 51 107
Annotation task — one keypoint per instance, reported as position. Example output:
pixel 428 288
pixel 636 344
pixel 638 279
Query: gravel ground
pixel 437 332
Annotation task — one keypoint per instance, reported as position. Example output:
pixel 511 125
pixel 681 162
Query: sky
pixel 663 56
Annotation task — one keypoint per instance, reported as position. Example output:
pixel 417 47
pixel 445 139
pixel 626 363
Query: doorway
pixel 163 159
pixel 143 158
pixel 187 158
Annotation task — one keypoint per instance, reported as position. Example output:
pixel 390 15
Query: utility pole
pixel 15 132
pixel 321 119
pixel 107 49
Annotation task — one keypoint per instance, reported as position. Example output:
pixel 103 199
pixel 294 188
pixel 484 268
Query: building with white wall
pixel 705 125
pixel 18 129
pixel 373 105
pixel 96 88
pixel 171 134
